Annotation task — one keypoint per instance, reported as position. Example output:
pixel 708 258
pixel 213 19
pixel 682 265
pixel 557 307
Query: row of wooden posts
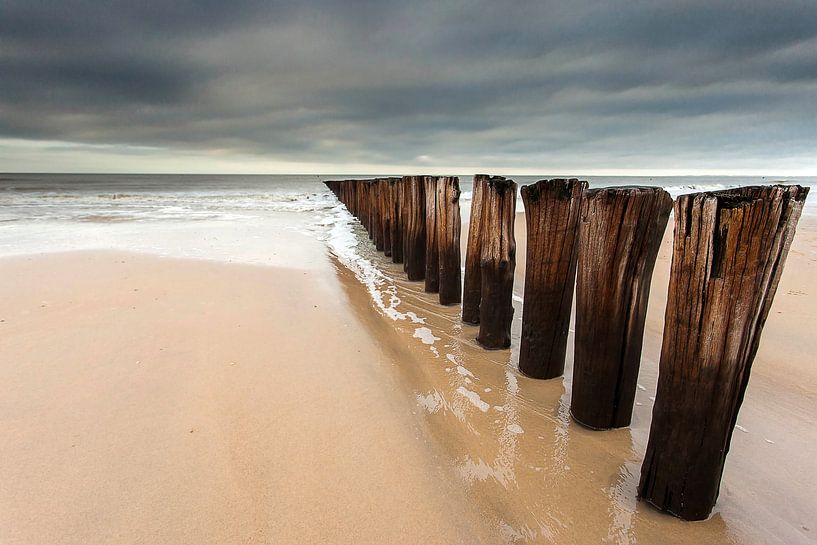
pixel 729 248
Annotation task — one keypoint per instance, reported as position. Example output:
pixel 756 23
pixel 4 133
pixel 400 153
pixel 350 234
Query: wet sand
pixel 544 479
pixel 152 400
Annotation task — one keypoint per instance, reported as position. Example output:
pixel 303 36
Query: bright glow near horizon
pixel 20 156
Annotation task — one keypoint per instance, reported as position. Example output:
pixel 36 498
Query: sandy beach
pixel 150 400
pixel 159 400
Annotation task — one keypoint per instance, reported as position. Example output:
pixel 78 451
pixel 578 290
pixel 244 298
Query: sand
pixel 154 400
pixel 150 400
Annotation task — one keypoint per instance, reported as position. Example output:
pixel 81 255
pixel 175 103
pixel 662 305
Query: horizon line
pixel 441 172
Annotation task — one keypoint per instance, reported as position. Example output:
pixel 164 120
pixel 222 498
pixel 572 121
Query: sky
pixel 381 86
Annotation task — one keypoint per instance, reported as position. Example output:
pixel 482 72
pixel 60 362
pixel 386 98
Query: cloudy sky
pixel 579 86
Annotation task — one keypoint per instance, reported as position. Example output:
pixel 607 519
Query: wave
pixel 178 206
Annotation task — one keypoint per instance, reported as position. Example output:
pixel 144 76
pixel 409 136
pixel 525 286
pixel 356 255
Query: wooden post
pixel 349 187
pixel 386 203
pixel 729 249
pixel 414 227
pixel 552 209
pixel 377 224
pixel 620 233
pixel 371 209
pixel 397 222
pixel 362 199
pixel 432 276
pixel 448 226
pixel 366 218
pixel 472 286
pixel 497 264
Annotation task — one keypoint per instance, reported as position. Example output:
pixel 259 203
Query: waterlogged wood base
pixel 729 249
pixel 551 213
pixel 619 236
pixel 497 264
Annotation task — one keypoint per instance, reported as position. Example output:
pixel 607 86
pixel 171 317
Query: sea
pixel 233 218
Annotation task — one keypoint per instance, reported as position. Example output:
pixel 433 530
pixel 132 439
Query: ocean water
pixel 223 217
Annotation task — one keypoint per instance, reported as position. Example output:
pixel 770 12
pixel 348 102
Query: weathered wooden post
pixel 397 223
pixel 729 249
pixel 360 200
pixel 377 223
pixel 413 217
pixel 472 285
pixel 620 232
pixel 387 207
pixel 373 212
pixel 448 226
pixel 366 219
pixel 552 209
pixel 349 200
pixel 497 264
pixel 432 275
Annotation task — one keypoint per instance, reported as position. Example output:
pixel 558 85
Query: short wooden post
pixel 552 209
pixel 432 275
pixel 729 249
pixel 472 285
pixel 396 223
pixel 497 264
pixel 448 226
pixel 620 233
pixel 414 227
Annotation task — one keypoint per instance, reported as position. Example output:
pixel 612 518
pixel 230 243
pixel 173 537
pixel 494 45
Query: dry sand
pixel 152 400
pixel 156 401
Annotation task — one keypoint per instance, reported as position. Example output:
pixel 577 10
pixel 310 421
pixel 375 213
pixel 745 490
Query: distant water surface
pixel 224 217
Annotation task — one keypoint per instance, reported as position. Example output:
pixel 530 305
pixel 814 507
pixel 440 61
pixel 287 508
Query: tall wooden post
pixel 432 276
pixel 360 198
pixel 377 224
pixel 414 227
pixel 368 216
pixel 729 249
pixel 472 285
pixel 349 187
pixel 397 222
pixel 448 226
pixel 497 264
pixel 619 236
pixel 552 209
pixel 385 203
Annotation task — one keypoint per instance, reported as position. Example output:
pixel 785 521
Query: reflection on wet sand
pixel 538 476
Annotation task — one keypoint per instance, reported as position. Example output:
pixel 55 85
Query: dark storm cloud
pixel 386 81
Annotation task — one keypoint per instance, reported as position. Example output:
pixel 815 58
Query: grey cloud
pixel 387 81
